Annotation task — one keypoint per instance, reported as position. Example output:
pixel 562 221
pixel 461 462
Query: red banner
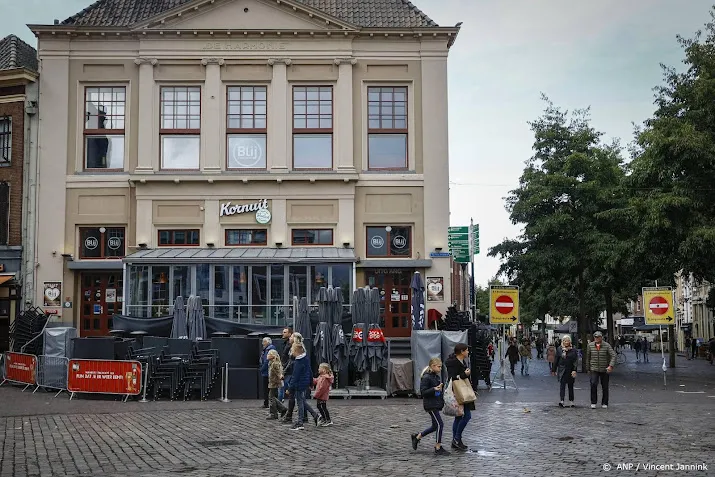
pixel 376 335
pixel 357 335
pixel 20 367
pixel 104 376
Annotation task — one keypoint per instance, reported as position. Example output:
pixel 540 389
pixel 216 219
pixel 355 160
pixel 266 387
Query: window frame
pixel 241 131
pixel 389 240
pixel 313 131
pixel 173 239
pixel 264 244
pixel 102 242
pixel 293 231
pixel 5 140
pixel 87 133
pixel 389 131
pixel 179 132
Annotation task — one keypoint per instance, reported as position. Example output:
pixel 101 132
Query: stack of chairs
pixel 25 329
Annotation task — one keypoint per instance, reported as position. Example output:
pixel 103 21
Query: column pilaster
pixel 344 133
pixel 147 132
pixel 279 117
pixel 212 116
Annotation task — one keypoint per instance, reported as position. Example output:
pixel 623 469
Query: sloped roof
pixel 15 53
pixel 362 13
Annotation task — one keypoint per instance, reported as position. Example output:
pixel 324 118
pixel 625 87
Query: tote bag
pixel 451 406
pixel 463 391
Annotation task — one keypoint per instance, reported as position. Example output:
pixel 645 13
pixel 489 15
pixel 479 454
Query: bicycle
pixel 620 356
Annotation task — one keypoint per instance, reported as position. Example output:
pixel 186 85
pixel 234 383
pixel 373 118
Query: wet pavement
pixel 512 433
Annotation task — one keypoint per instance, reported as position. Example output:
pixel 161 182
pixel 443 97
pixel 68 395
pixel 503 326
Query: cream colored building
pixel 693 317
pixel 245 151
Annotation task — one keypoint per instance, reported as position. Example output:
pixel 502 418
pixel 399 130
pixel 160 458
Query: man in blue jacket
pixel 299 384
pixel 267 346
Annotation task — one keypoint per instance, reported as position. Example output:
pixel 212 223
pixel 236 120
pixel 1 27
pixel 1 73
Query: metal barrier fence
pixel 20 368
pixel 52 373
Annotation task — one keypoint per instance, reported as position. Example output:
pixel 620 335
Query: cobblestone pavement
pixel 520 434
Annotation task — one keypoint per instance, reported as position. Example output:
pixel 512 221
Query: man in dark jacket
pixel 267 346
pixel 285 357
pixel 600 360
pixel 299 384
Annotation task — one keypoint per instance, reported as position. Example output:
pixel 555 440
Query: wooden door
pixel 101 298
pixel 395 300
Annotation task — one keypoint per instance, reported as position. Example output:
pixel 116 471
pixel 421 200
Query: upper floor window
pixel 246 127
pixel 312 127
pixel 390 241
pixel 4 213
pixel 387 127
pixel 178 237
pixel 104 121
pixel 5 140
pixel 180 127
pixel 101 242
pixel 245 237
pixel 312 237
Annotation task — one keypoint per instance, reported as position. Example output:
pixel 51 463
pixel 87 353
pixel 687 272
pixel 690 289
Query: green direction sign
pixel 475 239
pixel 458 230
pixel 458 241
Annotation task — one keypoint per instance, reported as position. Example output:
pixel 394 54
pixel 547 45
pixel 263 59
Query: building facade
pixel 244 151
pixel 694 318
pixel 18 128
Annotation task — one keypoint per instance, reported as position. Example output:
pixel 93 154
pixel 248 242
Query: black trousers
pixel 566 381
pixel 265 390
pixel 323 410
pixel 603 377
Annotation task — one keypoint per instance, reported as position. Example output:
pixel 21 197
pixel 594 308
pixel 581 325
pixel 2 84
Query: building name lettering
pixel 246 45
pixel 228 209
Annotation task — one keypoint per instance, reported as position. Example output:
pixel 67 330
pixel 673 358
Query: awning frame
pixel 240 255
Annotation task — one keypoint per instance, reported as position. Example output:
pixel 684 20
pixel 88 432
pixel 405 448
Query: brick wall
pixel 13 173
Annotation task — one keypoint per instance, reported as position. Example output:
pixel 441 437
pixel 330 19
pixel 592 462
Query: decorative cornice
pixel 213 61
pixel 345 61
pixel 285 61
pixel 145 61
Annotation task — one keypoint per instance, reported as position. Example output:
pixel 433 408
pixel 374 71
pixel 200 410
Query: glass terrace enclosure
pixel 248 285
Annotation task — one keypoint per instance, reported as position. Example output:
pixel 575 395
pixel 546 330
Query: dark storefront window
pixel 179 237
pixel 101 242
pixel 389 241
pixel 312 237
pixel 245 237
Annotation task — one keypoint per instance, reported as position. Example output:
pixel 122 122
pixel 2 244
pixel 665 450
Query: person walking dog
pixel 600 360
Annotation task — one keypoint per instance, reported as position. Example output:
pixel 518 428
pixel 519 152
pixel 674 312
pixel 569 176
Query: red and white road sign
pixel 658 305
pixel 504 305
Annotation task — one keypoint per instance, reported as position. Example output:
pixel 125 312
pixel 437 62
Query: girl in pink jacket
pixel 322 392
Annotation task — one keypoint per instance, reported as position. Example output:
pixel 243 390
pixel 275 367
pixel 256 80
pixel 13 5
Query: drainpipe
pixel 30 174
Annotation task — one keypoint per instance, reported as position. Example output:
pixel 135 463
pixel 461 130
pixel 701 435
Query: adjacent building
pixel 245 151
pixel 18 130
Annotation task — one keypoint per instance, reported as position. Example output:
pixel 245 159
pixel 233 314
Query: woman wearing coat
pixel 512 352
pixel 551 357
pixel 458 368
pixel 565 367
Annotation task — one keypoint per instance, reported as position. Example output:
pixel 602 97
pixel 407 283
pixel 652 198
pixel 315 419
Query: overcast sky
pixel 599 53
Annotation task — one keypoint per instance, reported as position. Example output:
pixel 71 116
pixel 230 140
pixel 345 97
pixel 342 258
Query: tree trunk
pixel 671 345
pixel 582 319
pixel 609 318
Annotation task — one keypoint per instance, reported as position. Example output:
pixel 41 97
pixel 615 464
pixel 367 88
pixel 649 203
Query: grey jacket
pixel 599 360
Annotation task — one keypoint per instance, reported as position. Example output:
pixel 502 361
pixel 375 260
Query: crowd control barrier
pixel 104 377
pixel 52 373
pixel 20 368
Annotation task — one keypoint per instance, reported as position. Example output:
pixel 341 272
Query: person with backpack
pixel 432 389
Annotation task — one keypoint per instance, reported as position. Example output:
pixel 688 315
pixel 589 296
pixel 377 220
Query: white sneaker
pixel 571 404
pixel 605 406
pixel 593 406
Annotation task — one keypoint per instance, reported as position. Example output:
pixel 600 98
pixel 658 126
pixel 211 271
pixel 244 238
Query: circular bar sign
pixel 504 304
pixel 658 305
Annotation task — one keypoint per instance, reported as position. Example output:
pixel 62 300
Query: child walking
pixel 275 378
pixel 431 387
pixel 322 392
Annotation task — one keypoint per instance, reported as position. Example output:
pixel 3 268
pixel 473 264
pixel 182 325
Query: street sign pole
pixel 472 298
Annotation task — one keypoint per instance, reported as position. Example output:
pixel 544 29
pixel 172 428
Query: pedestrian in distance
pixel 458 369
pixel 565 365
pixel 267 346
pixel 275 382
pixel 431 389
pixel 711 350
pixel 645 344
pixel 687 348
pixel 539 348
pixel 322 392
pixel 637 347
pixel 551 357
pixel 512 352
pixel 525 354
pixel 694 347
pixel 600 360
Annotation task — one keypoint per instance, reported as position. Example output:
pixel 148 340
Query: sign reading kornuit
pixel 263 215
pixel 51 296
pixel 435 288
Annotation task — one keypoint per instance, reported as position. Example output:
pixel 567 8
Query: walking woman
pixel 431 388
pixel 565 367
pixel 512 352
pixel 551 357
pixel 458 368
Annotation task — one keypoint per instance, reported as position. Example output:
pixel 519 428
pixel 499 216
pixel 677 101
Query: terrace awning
pixel 192 255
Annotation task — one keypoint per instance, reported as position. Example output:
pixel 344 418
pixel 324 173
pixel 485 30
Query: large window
pixel 245 237
pixel 312 237
pixel 387 127
pixel 168 238
pixel 104 122
pixel 389 241
pixel 4 213
pixel 312 127
pixel 101 242
pixel 180 127
pixel 5 141
pixel 246 127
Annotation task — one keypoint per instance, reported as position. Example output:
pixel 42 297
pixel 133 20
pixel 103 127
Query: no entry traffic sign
pixel 658 305
pixel 504 304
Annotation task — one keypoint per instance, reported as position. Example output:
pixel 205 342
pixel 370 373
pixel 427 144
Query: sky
pixel 603 54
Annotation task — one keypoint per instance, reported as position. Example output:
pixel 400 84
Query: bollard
pixel 146 380
pixel 225 385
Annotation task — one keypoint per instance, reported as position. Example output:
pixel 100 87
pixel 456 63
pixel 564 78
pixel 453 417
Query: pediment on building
pixel 264 15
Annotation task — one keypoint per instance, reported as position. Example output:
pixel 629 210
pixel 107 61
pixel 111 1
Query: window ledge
pixel 245 176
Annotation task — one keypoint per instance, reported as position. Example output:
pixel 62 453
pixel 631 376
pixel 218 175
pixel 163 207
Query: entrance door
pixel 101 299
pixel 395 299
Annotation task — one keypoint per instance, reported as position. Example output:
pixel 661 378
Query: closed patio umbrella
pixel 178 328
pixel 302 322
pixel 418 302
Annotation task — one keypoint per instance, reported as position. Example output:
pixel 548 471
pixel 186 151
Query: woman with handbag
pixel 458 370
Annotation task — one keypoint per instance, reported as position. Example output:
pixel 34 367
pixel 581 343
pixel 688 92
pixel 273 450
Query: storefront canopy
pixel 184 255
